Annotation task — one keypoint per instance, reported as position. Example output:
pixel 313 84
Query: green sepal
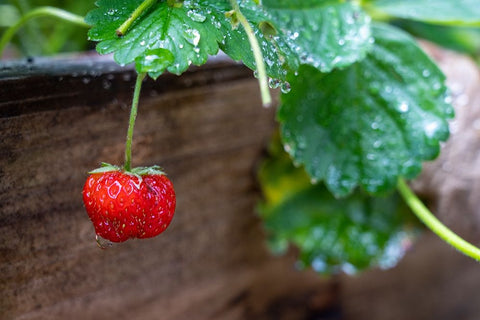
pixel 139 171
pixel 143 171
pixel 105 167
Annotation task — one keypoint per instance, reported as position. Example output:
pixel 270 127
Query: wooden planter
pixel 207 129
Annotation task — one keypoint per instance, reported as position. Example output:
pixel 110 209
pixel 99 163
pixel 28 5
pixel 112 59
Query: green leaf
pixel 322 34
pixel 191 32
pixel 9 15
pixel 278 56
pixel 304 4
pixel 370 123
pixel 463 39
pixel 332 235
pixel 184 31
pixel 449 12
pixel 154 62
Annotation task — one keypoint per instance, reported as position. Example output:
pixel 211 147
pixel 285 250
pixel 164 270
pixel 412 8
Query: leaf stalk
pixel 144 6
pixel 426 216
pixel 257 54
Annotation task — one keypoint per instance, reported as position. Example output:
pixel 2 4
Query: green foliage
pixel 182 31
pixel 365 107
pixel 350 234
pixel 362 105
pixel 8 15
pixel 46 36
pixel 191 32
pixel 462 39
pixel 447 12
pixel 323 35
pixel 370 123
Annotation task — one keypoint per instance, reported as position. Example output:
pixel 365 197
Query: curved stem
pixel 40 12
pixel 134 16
pixel 131 122
pixel 257 54
pixel 434 224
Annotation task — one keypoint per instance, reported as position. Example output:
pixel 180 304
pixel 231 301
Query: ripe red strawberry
pixel 121 205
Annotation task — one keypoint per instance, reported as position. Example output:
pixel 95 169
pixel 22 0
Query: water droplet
pixel 192 36
pixel 431 129
pixel 403 107
pixel 103 243
pixel 319 265
pixel 301 142
pixel 285 87
pixel 196 16
pixel 426 73
pixel 437 86
pixel 349 268
pixel 341 42
pixel 273 83
pixel 293 35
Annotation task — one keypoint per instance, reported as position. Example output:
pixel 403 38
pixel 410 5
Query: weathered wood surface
pixel 208 130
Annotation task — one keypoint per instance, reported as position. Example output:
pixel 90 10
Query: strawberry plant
pixel 361 106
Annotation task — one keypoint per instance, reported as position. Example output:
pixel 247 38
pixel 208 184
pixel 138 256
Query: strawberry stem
pixel 144 6
pixel 131 123
pixel 434 224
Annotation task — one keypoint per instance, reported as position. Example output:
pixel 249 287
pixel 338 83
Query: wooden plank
pixel 208 130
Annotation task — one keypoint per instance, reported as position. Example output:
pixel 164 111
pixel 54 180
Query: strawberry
pixel 123 205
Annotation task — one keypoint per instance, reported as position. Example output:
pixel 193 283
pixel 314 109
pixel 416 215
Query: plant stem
pixel 257 54
pixel 422 212
pixel 131 123
pixel 145 5
pixel 40 12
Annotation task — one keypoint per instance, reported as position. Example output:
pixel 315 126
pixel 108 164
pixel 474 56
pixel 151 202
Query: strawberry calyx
pixel 138 171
